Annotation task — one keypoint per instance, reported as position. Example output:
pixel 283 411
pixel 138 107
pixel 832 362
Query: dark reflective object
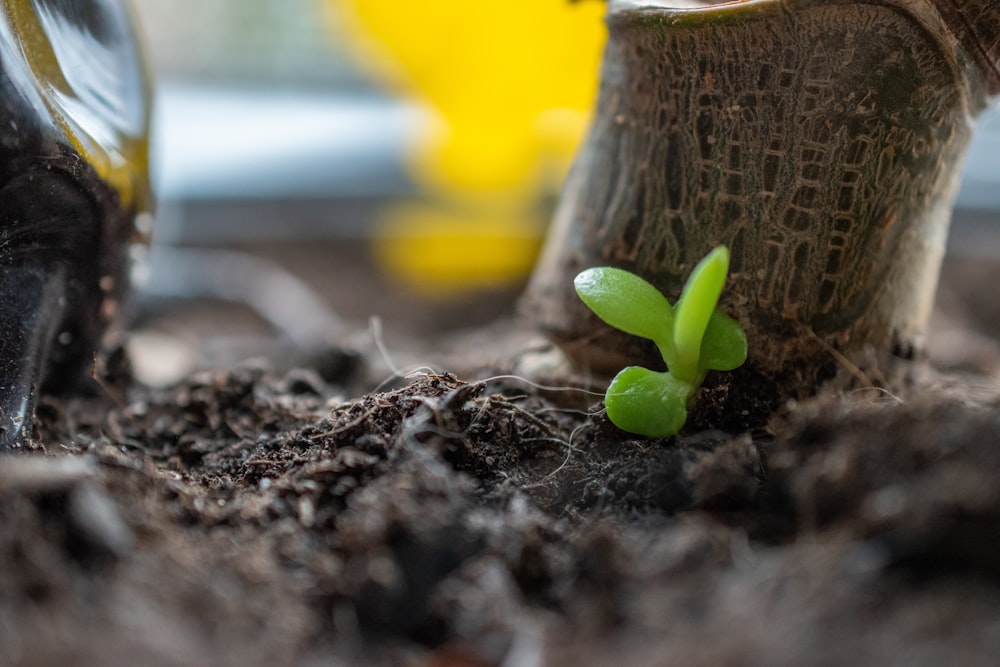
pixel 73 182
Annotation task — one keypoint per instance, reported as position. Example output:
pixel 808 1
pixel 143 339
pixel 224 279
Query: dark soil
pixel 305 517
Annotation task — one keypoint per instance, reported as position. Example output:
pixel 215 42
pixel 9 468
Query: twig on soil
pixel 543 387
pixel 114 394
pixel 375 325
pixel 344 428
pixel 846 363
pixel 528 416
pixel 879 390
pixel 569 455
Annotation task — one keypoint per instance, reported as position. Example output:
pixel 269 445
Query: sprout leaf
pixel 694 310
pixel 724 347
pixel 627 302
pixel 647 403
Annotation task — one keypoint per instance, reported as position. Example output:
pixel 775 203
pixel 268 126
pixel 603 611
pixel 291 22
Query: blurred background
pixel 321 162
pixel 327 161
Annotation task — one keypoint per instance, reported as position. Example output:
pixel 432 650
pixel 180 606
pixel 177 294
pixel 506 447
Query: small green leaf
pixel 725 344
pixel 694 310
pixel 627 302
pixel 647 403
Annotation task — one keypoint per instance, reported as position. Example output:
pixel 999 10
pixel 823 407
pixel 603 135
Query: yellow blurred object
pixel 439 252
pixel 509 85
pixel 494 71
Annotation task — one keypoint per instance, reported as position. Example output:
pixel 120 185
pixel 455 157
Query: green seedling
pixel 693 337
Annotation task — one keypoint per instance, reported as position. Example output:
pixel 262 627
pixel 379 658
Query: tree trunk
pixel 820 140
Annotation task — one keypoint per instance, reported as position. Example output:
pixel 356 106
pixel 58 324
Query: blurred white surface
pixel 215 142
pixel 981 174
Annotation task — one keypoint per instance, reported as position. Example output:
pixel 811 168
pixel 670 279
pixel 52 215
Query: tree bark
pixel 820 140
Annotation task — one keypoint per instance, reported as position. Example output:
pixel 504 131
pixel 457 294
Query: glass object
pixel 74 191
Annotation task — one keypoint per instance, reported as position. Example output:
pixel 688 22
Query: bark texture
pixel 820 140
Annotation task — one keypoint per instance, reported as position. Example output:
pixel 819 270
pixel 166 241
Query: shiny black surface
pixel 73 124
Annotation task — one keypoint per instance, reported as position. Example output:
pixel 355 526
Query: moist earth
pixel 489 514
